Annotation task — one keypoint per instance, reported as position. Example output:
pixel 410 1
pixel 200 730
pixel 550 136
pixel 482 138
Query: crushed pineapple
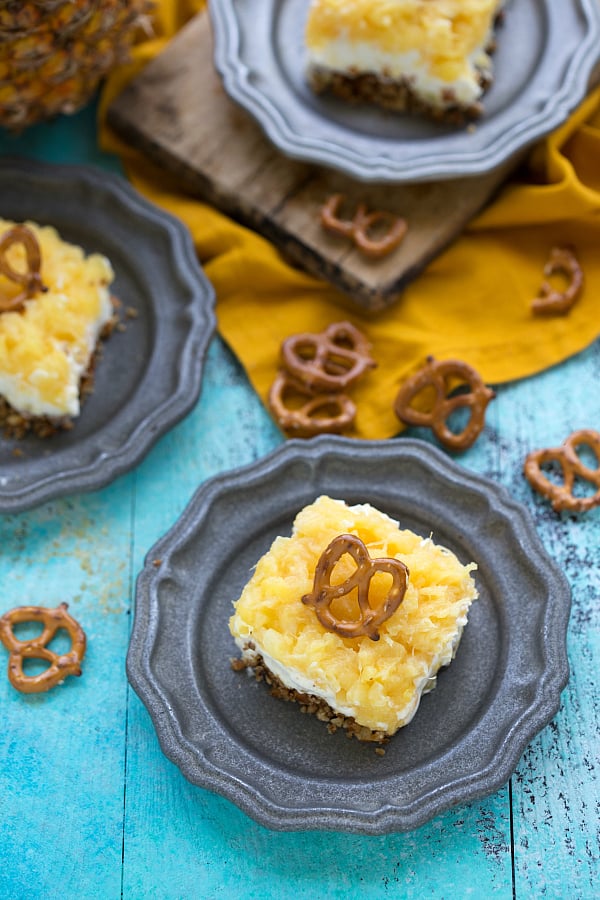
pixel 47 347
pixel 376 683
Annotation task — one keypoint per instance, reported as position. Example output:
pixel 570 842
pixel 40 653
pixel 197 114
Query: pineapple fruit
pixel 53 53
pixel 375 684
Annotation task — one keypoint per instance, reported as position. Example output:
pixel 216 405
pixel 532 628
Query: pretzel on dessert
pixel 362 223
pixel 439 375
pixel 60 666
pixel 320 414
pixel 324 592
pixel 330 360
pixel 550 301
pixel 31 278
pixel 561 495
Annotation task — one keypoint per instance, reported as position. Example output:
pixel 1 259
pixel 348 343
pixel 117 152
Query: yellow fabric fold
pixel 472 302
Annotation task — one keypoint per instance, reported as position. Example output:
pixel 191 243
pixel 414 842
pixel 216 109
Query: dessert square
pixel 48 342
pixel 370 684
pixel 426 56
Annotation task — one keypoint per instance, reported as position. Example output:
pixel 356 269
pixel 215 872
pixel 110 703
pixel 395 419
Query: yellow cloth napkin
pixel 472 302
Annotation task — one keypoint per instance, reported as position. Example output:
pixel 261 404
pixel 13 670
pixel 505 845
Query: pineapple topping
pixel 444 34
pixel 377 683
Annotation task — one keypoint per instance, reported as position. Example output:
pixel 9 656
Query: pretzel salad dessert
pixel 352 617
pixel 427 56
pixel 55 307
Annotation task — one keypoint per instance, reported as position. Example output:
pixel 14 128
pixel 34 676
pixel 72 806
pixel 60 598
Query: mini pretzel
pixel 31 278
pixel 561 495
pixel 438 375
pixel 551 302
pixel 310 418
pixel 60 666
pixel 323 361
pixel 357 228
pixel 365 221
pixel 324 593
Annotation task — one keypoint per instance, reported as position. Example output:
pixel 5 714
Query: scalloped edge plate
pixel 545 56
pixel 284 769
pixel 149 377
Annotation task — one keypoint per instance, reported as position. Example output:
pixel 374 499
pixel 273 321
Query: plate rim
pixel 190 758
pixel 340 156
pixel 105 466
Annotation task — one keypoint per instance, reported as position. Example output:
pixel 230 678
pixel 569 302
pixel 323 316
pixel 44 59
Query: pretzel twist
pixel 312 417
pixel 31 278
pixel 561 495
pixel 438 375
pixel 60 666
pixel 552 302
pixel 358 227
pixel 330 360
pixel 324 593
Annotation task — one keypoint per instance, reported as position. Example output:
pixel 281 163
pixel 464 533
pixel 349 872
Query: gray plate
pixel 149 376
pixel 284 769
pixel 545 55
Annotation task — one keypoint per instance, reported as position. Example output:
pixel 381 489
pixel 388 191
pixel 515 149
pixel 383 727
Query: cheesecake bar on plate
pixel 352 617
pixel 425 56
pixel 55 306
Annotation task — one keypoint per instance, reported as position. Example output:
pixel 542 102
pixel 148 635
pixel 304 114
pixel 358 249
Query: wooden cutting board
pixel 178 114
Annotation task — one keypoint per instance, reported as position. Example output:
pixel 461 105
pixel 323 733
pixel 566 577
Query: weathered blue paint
pixel 89 805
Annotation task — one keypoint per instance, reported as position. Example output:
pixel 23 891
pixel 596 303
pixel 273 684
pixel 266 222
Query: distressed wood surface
pixel 219 153
pixel 90 806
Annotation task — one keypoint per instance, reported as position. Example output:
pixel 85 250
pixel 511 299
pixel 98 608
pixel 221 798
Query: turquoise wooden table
pixel 91 807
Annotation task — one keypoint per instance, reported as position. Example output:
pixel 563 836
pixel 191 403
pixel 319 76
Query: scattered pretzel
pixel 358 228
pixel 552 302
pixel 324 592
pixel 30 278
pixel 330 360
pixel 561 495
pixel 438 375
pixel 321 413
pixel 35 648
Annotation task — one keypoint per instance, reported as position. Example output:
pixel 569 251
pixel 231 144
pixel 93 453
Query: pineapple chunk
pixel 378 684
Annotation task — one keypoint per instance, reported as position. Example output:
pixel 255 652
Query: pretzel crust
pixel 551 302
pixel 561 495
pixel 60 666
pixel 358 227
pixel 31 279
pixel 324 593
pixel 437 374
